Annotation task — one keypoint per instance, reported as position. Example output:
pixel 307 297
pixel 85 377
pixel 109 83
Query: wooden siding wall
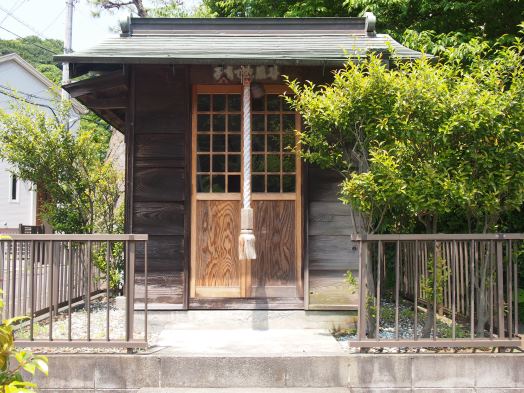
pixel 331 253
pixel 159 202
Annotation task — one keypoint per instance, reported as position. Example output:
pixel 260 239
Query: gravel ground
pixel 406 330
pixel 98 318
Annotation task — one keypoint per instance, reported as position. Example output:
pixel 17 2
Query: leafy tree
pixel 153 8
pixel 32 49
pixel 80 190
pixel 423 141
pixel 476 17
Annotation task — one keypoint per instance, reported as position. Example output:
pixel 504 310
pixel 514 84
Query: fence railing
pixel 442 290
pixel 66 286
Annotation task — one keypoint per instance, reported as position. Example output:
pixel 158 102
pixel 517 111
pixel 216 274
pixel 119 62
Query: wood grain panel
pixel 330 289
pixel 159 185
pixel 330 218
pixel 155 218
pixel 216 259
pixel 162 99
pixel 164 253
pixel 323 185
pixel 333 249
pixel 160 146
pixel 274 223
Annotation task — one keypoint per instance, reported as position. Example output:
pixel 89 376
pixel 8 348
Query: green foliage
pixel 80 190
pixel 30 48
pixel 472 17
pixel 441 277
pixel 268 8
pixel 11 379
pixel 352 281
pixel 116 251
pixel 423 140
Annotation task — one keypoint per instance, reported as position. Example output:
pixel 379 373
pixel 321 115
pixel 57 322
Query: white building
pixel 18 78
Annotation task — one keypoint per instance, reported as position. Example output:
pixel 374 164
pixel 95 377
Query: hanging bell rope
pixel 246 244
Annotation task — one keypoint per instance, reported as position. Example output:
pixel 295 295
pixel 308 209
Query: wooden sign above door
pixel 227 74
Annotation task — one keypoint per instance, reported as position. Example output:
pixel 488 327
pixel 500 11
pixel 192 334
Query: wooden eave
pixel 106 95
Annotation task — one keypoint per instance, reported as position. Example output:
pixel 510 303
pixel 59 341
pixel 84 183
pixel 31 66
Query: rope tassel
pixel 246 241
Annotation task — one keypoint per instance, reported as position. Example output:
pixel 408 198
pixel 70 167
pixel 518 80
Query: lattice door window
pixel 218 143
pixel 273 162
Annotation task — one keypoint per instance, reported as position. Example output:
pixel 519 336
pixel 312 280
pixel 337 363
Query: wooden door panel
pixel 217 268
pixel 274 270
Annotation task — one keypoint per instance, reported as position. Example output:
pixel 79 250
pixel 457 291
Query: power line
pixel 39 34
pixel 24 93
pixel 15 6
pixel 30 43
pixel 54 20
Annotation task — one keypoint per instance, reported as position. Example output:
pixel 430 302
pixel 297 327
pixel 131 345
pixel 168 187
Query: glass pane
pixel 203 142
pixel 219 103
pixel 288 142
pixel 233 143
pixel 203 102
pixel 273 123
pixel 257 104
pixel 257 163
pixel 202 183
pixel 203 123
pixel 289 123
pixel 203 163
pixel 219 183
pixel 273 183
pixel 273 103
pixel 219 143
pixel 233 102
pixel 257 183
pixel 288 163
pixel 258 142
pixel 273 143
pixel 233 183
pixel 288 183
pixel 273 163
pixel 219 123
pixel 233 123
pixel 219 163
pixel 258 123
pixel 233 163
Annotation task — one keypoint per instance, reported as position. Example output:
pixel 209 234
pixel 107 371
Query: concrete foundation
pixel 273 352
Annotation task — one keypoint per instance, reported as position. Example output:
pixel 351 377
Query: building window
pixel 13 188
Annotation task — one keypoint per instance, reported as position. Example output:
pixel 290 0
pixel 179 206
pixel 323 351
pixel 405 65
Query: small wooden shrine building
pixel 177 89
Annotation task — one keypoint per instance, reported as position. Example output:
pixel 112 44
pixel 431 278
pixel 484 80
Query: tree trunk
pixel 141 10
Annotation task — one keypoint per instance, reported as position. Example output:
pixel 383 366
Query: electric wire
pixel 39 34
pixel 30 43
pixel 15 6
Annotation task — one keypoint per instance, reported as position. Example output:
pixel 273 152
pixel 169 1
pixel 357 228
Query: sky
pixel 46 18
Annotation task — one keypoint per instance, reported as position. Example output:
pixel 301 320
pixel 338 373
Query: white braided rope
pixel 246 191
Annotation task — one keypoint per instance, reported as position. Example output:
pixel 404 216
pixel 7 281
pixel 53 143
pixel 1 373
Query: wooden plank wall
pixel 331 253
pixel 159 201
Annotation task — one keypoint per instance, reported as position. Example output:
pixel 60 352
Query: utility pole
pixel 68 39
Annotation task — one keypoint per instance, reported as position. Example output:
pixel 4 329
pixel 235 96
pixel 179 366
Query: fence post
pixel 55 271
pixel 13 280
pixel 130 297
pixel 363 254
pixel 500 290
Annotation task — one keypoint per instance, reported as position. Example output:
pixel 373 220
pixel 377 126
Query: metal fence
pixel 441 290
pixel 66 285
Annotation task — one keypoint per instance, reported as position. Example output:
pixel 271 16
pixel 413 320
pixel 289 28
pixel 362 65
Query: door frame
pixel 245 281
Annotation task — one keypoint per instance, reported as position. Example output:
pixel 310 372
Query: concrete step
pixel 248 319
pixel 244 390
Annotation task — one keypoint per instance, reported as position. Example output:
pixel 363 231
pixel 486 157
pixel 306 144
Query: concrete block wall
pixel 358 373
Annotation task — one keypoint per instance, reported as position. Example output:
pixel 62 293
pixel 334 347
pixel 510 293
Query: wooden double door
pixel 217 181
